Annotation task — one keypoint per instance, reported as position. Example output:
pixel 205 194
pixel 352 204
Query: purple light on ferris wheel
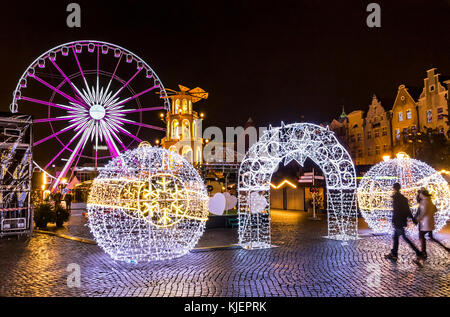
pixel 51 136
pixel 142 109
pixel 52 119
pixel 56 90
pixel 75 89
pixel 93 113
pixel 135 96
pixel 51 104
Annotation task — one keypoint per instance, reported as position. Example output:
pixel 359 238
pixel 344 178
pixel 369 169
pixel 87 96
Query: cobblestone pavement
pixel 303 264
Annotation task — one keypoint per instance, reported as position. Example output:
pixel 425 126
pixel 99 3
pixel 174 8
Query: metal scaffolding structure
pixel 16 213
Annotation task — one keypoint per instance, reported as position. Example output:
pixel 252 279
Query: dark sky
pixel 271 60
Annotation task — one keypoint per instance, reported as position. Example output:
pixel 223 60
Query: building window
pixel 377 133
pixel 359 137
pixel 385 147
pixel 185 130
pixel 431 87
pixel 377 150
pixel 400 116
pixel 408 114
pixel 185 106
pixel 397 134
pixel 440 113
pixel 360 154
pixel 177 106
pixel 175 132
pixel 384 133
pixel 369 152
pixel 369 134
pixel 429 116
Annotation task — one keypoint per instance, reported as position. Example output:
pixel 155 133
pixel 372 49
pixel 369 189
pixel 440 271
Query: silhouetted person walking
pixel 425 218
pixel 57 198
pixel 68 200
pixel 401 213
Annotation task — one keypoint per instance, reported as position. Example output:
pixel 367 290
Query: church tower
pixel 184 124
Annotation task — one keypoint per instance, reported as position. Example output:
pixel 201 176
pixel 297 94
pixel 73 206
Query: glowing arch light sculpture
pixel 297 142
pixel 147 204
pixel 375 192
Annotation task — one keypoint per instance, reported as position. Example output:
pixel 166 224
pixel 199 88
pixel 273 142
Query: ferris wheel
pixel 89 100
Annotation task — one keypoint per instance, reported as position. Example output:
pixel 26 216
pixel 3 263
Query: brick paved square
pixel 303 263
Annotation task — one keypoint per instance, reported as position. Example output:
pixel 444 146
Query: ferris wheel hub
pixel 97 112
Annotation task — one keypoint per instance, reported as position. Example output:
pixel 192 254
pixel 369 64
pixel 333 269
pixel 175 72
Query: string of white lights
pixel 297 142
pixel 375 192
pixel 147 204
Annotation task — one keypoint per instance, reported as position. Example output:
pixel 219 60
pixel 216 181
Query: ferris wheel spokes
pixel 74 88
pixel 124 86
pixel 134 97
pixel 65 147
pixel 57 90
pixel 78 147
pixel 46 103
pixel 52 135
pixel 141 109
pixel 97 106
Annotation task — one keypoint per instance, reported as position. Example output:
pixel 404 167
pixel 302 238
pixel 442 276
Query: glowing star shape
pixel 163 200
pixel 298 156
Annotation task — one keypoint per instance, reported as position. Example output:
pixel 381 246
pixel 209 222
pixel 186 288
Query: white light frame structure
pixel 147 204
pixel 375 192
pixel 296 141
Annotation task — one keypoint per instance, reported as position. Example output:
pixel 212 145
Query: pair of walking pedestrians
pixel 424 218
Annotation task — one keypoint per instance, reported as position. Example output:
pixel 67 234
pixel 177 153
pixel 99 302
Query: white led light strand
pixel 297 142
pixel 147 204
pixel 375 192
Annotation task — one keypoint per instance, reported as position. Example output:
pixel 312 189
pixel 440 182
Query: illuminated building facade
pixel 368 137
pixel 433 103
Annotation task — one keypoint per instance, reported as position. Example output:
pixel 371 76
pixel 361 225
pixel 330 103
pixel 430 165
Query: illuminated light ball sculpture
pixel 147 204
pixel 375 192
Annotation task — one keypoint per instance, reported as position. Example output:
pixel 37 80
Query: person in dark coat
pixel 401 213
pixel 57 198
pixel 68 200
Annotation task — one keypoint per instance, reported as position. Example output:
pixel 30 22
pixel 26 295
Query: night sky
pixel 272 61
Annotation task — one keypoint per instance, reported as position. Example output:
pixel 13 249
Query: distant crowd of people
pixel 424 218
pixel 58 197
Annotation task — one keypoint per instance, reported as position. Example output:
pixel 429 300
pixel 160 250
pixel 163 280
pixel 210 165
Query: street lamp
pixel 161 116
pixel 414 138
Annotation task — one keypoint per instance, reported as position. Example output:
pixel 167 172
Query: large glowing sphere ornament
pixel 375 192
pixel 147 204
